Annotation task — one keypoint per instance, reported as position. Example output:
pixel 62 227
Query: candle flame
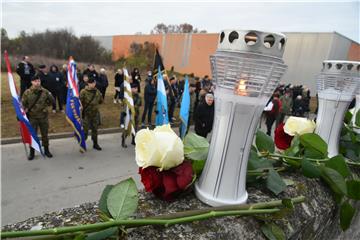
pixel 241 88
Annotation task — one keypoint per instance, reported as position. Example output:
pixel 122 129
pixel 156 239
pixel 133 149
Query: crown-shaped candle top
pixel 341 67
pixel 267 43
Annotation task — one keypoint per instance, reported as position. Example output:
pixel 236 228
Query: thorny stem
pixel 278 156
pixel 164 220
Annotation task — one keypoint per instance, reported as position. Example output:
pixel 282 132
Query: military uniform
pixel 90 99
pixel 36 101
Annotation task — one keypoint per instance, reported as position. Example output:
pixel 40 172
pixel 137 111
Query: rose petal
pixel 298 125
pixel 172 149
pixel 282 140
pixel 151 178
pixel 169 183
pixel 145 153
pixel 184 174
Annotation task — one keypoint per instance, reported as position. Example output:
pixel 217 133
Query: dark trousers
pixel 148 108
pixel 270 119
pixel 103 91
pixel 58 95
pixel 171 110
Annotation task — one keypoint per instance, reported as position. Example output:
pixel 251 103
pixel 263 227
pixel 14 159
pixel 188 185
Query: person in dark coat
pixel 91 72
pixel 56 85
pixel 173 97
pixel 149 97
pixel 119 86
pixel 299 106
pixel 273 114
pixel 102 82
pixel 136 77
pixel 65 88
pixel 26 71
pixel 204 116
pixel 83 82
pixel 44 77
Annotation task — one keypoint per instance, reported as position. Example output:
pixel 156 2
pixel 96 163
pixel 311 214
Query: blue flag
pixel 184 109
pixel 73 105
pixel 162 109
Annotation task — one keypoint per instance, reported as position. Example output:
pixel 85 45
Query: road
pixel 32 188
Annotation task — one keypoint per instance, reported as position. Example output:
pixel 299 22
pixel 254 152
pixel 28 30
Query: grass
pixel 110 112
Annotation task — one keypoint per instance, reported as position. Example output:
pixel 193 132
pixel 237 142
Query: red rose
pixel 151 178
pixel 167 184
pixel 184 174
pixel 282 140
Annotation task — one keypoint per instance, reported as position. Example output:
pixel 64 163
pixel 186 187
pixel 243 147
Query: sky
pixel 108 18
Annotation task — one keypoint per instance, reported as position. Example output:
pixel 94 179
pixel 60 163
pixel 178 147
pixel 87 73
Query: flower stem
pixel 166 220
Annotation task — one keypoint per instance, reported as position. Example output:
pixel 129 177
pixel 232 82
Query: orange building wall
pixel 354 52
pixel 187 53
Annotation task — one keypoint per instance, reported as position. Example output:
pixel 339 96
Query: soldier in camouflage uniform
pixel 90 98
pixel 36 100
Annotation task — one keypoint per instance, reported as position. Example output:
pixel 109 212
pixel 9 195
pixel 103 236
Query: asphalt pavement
pixel 32 188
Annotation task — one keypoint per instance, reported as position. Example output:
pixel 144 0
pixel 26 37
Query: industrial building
pixel 189 53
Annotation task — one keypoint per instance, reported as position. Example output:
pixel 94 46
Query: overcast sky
pixel 115 18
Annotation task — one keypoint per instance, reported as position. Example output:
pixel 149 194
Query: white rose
pixel 146 154
pixel 159 148
pixel 299 126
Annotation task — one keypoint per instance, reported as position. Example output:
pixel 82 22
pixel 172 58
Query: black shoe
pixel 123 143
pixel 133 141
pixel 32 154
pixel 97 147
pixel 47 152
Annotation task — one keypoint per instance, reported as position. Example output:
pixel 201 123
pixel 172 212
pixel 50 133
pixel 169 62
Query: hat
pixel 91 80
pixel 42 66
pixel 35 77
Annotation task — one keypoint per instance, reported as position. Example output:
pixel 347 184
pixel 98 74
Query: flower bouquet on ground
pixel 160 155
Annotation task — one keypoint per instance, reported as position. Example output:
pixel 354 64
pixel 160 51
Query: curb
pixel 12 140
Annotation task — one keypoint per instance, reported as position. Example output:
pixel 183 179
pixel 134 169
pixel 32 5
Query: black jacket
pixel 119 80
pixel 45 80
pixel 204 118
pixel 102 82
pixel 91 74
pixel 150 92
pixel 56 80
pixel 25 71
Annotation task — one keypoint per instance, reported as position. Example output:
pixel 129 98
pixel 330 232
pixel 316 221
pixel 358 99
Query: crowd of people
pixel 44 87
pixel 287 100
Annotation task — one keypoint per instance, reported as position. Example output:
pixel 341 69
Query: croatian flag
pixel 28 133
pixel 73 105
pixel 162 110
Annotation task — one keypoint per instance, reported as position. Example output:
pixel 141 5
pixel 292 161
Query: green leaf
pixel 123 199
pixel 195 147
pixel 255 162
pixel 264 143
pixel 338 164
pixel 353 189
pixel 315 142
pixel 103 200
pixel 312 153
pixel 346 214
pixel 274 182
pixel 103 234
pixel 272 232
pixel 348 117
pixel 310 170
pixel 357 118
pixel 334 179
pixel 198 166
